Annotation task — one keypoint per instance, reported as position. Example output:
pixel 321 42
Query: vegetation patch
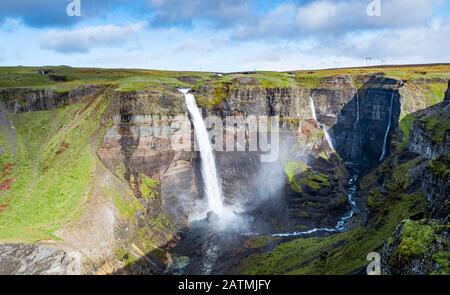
pixel 149 188
pixel 50 185
pixel 437 125
pixel 415 239
pixel 309 81
pixel 258 242
pixel 292 168
pixel 440 167
pixel 442 259
pixel 299 176
pixel 127 205
pixel 405 125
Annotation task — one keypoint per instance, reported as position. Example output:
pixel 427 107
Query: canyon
pixel 108 183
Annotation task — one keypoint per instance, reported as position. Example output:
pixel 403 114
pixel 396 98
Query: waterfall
pixel 357 112
pixel 322 126
pixel 208 164
pixel 313 108
pixel 383 154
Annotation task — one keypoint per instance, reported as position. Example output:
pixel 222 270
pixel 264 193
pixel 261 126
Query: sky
pixel 224 35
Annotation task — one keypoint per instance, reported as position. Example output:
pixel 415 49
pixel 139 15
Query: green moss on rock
pixel 405 125
pixel 437 125
pixel 149 188
pixel 415 240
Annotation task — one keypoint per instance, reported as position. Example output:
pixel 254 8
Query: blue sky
pixel 223 35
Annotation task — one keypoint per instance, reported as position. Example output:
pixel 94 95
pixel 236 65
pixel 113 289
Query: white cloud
pixel 192 46
pixel 423 44
pixel 338 17
pixel 84 39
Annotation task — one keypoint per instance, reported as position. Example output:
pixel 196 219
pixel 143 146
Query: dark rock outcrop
pixel 447 94
pixel 421 245
pixel 417 248
pixel 28 100
pixel 430 132
pixel 360 138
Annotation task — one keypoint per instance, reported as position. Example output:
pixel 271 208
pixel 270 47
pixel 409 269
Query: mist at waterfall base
pixel 236 215
pixel 218 215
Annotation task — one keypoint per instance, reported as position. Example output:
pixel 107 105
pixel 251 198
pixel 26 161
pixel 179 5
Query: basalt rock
pixel 361 140
pixel 416 248
pixel 447 94
pixel 29 100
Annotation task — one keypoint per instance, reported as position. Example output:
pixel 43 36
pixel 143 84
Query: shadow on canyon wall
pixel 362 125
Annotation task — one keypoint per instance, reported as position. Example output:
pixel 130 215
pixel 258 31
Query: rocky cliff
pixel 146 185
pixel 420 245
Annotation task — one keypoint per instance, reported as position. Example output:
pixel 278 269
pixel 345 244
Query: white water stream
pixel 357 112
pixel 383 154
pixel 322 126
pixel 208 164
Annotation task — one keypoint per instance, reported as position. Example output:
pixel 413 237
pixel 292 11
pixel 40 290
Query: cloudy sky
pixel 224 35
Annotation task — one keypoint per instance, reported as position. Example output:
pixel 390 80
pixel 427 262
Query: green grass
pixel 309 81
pixel 292 168
pixel 54 166
pixel 443 260
pixel 149 188
pixel 127 205
pixel 405 125
pixel 440 167
pixel 415 239
pixel 437 124
pixel 313 179
pixel 124 79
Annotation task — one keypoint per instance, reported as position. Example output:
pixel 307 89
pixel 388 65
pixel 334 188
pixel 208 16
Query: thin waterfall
pixel 322 126
pixel 208 164
pixel 357 112
pixel 383 154
pixel 313 108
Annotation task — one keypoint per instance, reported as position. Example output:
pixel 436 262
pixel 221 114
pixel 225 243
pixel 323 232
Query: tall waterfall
pixel 322 126
pixel 383 154
pixel 357 112
pixel 208 164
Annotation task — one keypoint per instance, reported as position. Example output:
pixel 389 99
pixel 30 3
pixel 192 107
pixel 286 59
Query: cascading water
pixel 322 126
pixel 313 108
pixel 357 112
pixel 383 154
pixel 208 164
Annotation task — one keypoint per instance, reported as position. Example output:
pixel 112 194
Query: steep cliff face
pixel 311 200
pixel 363 124
pixel 417 248
pixel 420 245
pixel 28 100
pixel 429 133
pixel 406 186
pixel 447 94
